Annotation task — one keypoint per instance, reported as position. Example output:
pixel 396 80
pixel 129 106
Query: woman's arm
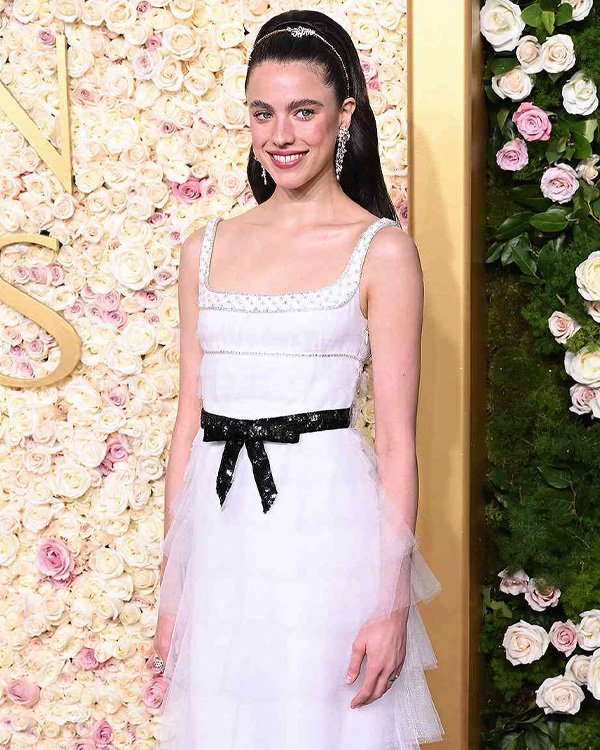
pixel 394 281
pixel 395 299
pixel 190 354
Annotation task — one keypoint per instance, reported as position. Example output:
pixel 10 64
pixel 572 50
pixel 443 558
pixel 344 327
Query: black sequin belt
pixel 252 432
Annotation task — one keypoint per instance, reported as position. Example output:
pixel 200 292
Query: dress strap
pixel 362 247
pixel 206 250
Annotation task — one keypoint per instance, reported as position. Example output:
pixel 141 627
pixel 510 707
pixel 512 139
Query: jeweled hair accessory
pixel 300 31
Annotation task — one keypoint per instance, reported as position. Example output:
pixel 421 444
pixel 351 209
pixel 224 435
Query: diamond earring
pixel 264 175
pixel 343 138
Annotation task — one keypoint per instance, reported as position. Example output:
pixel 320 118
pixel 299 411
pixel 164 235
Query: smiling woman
pixel 291 569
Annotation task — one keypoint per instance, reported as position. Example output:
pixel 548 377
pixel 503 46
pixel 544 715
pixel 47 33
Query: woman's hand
pixel 384 643
pixel 164 635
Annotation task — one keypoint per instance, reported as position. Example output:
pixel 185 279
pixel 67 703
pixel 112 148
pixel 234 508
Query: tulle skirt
pixel 267 606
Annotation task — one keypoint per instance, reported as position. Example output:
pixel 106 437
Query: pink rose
pixel 109 300
pixel 562 326
pixel 86 659
pixel 143 64
pixel 24 370
pixel 188 191
pixel 102 733
pixel 559 183
pixel 157 219
pixel 209 189
pixel 54 559
pixel 40 274
pixel 402 211
pixel 513 584
pixel 581 398
pixel 23 692
pixel 117 319
pixel 83 743
pixel 46 37
pixel 153 42
pixel 84 95
pixel 539 596
pixel 563 636
pixel 116 395
pixel 532 122
pixel 57 273
pixel 155 691
pixel 117 448
pixel 513 155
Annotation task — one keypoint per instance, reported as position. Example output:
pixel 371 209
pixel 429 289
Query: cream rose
pixel 588 630
pixel 586 169
pixel 501 24
pixel 540 596
pixel 557 53
pixel 515 85
pixel 576 668
pixel 559 695
pixel 593 674
pixel 584 366
pixel 525 643
pixel 181 41
pixel 581 8
pixel 587 276
pixel 528 54
pixel 580 95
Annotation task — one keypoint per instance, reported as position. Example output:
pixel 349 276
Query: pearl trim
pixel 284 354
pixel 333 295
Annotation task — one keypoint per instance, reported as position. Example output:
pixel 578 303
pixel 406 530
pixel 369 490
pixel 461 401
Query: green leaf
pixel 550 4
pixel 583 148
pixel 530 196
pixel 501 65
pixel 548 20
pixel 514 225
pixel 552 220
pixel 523 257
pixel 502 116
pixel 532 15
pixel 564 14
pixel 509 741
pixel 493 252
pixel 556 476
pixel 548 257
pixel 596 208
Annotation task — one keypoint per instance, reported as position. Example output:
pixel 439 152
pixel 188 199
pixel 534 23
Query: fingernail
pixel 348 678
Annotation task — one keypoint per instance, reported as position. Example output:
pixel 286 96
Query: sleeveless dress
pixel 266 605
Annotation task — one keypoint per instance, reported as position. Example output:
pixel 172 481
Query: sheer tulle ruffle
pixel 265 613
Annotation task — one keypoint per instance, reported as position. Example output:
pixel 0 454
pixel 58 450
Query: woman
pixel 290 563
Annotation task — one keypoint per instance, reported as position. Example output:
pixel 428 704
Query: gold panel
pixel 446 194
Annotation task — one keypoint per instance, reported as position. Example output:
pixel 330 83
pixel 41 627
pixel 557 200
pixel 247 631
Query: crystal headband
pixel 300 31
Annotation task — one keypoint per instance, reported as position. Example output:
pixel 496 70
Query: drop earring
pixel 264 175
pixel 343 138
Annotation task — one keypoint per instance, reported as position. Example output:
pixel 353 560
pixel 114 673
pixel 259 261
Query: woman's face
pixel 294 121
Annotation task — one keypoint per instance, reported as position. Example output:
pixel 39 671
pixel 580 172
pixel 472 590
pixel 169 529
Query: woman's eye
pixel 309 111
pixel 258 114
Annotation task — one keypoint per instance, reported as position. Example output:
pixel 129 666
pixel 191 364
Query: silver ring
pixel 392 678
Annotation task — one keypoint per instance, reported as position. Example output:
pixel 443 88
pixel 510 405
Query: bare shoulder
pixel 393 253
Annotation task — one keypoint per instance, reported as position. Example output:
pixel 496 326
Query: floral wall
pixel 541 599
pixel 160 142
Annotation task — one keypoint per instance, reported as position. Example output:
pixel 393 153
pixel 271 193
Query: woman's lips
pixel 287 162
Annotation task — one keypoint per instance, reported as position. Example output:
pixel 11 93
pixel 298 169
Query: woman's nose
pixel 283 131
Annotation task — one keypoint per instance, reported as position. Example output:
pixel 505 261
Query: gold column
pixel 446 193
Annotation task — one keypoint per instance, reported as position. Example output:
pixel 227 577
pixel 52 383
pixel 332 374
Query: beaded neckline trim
pixel 332 295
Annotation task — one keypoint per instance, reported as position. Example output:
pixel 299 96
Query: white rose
pixel 71 481
pixel 576 668
pixel 131 267
pixel 107 562
pixel 9 547
pixel 133 550
pixel 528 54
pixel 181 41
pixel 587 275
pixel 515 584
pixel 562 326
pixel 120 15
pixel 168 74
pixel 581 8
pixel 587 168
pixel 593 309
pixel 525 643
pixel 559 695
pixel 515 85
pixel 593 674
pixel 139 337
pixel 501 24
pixel 540 596
pixel 588 630
pixel 558 53
pixel 122 135
pixel 580 95
pixel 584 366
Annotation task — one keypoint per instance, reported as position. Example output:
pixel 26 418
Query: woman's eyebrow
pixel 292 105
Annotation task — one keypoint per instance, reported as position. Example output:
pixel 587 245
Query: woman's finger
pixel 358 653
pixel 371 676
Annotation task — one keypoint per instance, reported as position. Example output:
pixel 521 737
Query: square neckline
pixel 208 249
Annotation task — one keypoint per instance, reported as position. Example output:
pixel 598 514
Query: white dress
pixel 267 604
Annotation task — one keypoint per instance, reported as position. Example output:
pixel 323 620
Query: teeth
pixel 287 159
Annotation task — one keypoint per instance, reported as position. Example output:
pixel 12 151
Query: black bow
pixel 252 432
